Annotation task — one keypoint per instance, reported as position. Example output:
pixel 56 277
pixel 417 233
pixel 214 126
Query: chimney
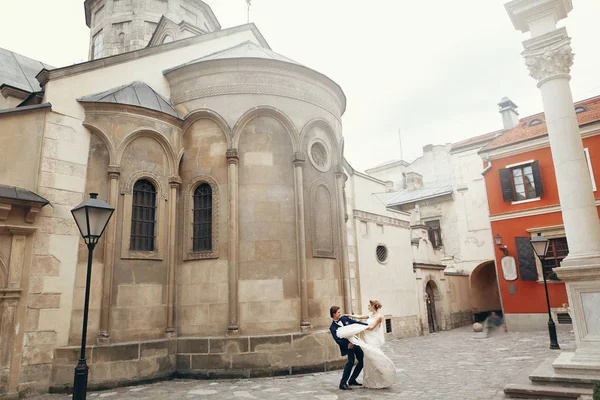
pixel 413 180
pixel 508 110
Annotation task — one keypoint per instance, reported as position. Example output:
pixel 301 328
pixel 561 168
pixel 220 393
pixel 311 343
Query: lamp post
pixel 91 218
pixel 540 247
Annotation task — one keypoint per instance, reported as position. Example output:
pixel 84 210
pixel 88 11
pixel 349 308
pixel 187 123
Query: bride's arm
pixel 356 316
pixel 375 323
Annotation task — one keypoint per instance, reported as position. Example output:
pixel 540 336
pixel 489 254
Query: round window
pixel 319 156
pixel 382 253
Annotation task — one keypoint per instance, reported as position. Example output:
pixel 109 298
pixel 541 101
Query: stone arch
pixel 265 111
pixel 485 296
pixel 105 137
pixel 322 228
pixel 156 180
pixel 150 133
pixel 321 123
pixel 434 306
pixel 215 117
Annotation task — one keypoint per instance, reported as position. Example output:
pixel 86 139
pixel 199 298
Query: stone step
pixel 546 392
pixel 546 375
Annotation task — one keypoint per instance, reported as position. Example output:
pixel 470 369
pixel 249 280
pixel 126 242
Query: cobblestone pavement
pixel 458 364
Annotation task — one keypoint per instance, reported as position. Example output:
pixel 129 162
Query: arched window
pixel 167 39
pixel 202 233
pixel 143 216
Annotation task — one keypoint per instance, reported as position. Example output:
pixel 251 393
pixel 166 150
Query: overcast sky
pixel 433 69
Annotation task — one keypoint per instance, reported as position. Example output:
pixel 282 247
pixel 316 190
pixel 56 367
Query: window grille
pixel 202 233
pixel 143 216
pixel 564 318
pixel 557 251
pixel 382 253
pixel 388 325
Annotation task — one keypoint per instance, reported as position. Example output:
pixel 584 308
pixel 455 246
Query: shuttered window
pixel 143 216
pixel 202 233
pixel 521 182
pixel 557 251
pixel 526 259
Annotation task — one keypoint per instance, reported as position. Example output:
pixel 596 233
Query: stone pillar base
pixel 233 331
pixel 306 327
pixel 170 333
pixel 577 364
pixel 103 339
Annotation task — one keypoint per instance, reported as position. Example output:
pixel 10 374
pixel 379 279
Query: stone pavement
pixel 458 364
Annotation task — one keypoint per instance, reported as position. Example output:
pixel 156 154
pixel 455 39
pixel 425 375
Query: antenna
pixel 249 4
pixel 400 138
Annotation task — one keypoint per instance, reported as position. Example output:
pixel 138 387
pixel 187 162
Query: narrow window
pixel 202 235
pixel 97 46
pixel 435 233
pixel 143 216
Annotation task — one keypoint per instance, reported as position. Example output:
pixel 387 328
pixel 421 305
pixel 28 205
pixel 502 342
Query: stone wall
pixel 207 358
pixel 403 327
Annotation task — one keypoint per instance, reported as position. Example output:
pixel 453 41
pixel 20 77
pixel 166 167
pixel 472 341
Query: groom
pixel 347 348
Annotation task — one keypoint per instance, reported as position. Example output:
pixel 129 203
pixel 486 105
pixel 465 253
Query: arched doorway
pixel 485 296
pixel 430 300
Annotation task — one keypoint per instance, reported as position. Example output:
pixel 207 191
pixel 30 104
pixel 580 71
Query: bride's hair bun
pixel 376 304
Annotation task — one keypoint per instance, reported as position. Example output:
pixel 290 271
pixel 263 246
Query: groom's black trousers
pixel 353 353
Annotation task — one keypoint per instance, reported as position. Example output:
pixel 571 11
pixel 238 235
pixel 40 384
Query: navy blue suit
pixel 354 353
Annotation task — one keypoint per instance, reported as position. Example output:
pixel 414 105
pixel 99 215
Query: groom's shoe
pixel 354 383
pixel 344 386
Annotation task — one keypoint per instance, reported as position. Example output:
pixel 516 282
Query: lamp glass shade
pixel 92 216
pixel 540 245
pixel 498 240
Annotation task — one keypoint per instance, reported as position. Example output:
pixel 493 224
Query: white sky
pixel 435 69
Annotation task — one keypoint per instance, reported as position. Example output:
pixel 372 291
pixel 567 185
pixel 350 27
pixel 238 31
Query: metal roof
pixel 426 192
pixel 17 193
pixel 245 49
pixel 135 94
pixel 19 71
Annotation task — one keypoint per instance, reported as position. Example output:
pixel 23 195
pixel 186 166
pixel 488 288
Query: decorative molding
pixel 365 216
pixel 174 181
pixel 127 187
pixel 317 250
pixel 106 109
pixel 549 55
pixel 188 219
pixel 256 88
pixel 17 230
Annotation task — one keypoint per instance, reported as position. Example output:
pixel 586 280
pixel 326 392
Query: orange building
pixel 523 201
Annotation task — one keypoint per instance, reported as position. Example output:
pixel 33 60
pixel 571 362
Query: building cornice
pixel 380 219
pixel 530 213
pixel 25 109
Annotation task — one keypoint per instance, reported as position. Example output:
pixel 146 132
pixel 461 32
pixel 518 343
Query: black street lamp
pixel 540 246
pixel 91 218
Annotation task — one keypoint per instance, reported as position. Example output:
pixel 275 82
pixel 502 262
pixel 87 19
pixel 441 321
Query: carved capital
pixel 299 159
pixel 549 56
pixel 233 156
pixel 174 181
pixel 114 171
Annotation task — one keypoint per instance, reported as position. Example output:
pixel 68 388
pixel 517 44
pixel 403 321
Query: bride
pixel 379 370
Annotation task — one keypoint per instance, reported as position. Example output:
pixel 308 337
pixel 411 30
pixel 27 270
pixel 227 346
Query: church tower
pixel 119 26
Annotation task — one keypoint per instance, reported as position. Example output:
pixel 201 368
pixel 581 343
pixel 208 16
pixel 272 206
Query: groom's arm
pixel 338 340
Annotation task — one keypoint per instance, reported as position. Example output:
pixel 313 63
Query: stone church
pixel 222 159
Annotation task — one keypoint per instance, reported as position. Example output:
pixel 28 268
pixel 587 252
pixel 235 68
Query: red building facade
pixel 523 201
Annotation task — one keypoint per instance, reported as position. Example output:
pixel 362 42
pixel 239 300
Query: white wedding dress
pixel 379 371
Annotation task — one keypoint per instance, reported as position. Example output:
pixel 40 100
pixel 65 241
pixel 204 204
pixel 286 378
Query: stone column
pixel 299 159
pixel 233 328
pixel 340 178
pixel 549 58
pixel 174 183
pixel 103 338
